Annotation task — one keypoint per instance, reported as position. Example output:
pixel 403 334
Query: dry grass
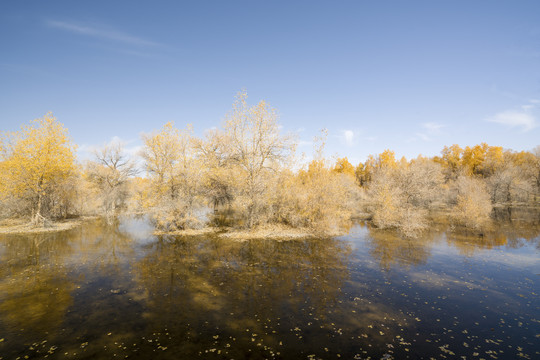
pixel 189 232
pixel 22 226
pixel 272 232
pixel 269 232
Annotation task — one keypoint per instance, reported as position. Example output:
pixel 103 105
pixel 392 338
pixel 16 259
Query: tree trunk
pixel 37 215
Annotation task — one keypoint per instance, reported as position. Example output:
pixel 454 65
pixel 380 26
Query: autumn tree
pixel 36 162
pixel 176 173
pixel 528 163
pixel 361 174
pixel 140 189
pixel 402 195
pixel 218 182
pixel 255 147
pixel 317 197
pixel 110 173
pixel 535 171
pixel 343 166
pixel 385 160
pixel 472 205
pixel 161 154
pixel 503 184
pixel 479 160
pixel 515 179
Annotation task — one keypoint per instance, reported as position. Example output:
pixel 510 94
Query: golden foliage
pixel 401 195
pixel 176 177
pixel 317 197
pixel 246 172
pixel 37 161
pixel 343 166
pixel 473 205
pixel 482 160
pixel 256 150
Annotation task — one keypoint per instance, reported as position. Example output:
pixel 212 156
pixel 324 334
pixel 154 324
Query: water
pixel 106 291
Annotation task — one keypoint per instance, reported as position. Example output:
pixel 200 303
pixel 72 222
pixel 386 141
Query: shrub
pixel 472 203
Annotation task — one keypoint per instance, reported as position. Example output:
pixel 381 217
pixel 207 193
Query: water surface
pixel 105 291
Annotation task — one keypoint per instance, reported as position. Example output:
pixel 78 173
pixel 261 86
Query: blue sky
pixel 411 76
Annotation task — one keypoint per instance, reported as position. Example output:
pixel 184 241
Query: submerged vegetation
pixel 246 175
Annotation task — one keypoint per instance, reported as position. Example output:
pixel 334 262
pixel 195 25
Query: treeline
pixel 462 184
pixel 246 174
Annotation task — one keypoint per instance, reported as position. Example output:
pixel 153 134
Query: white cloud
pixel 523 118
pixel 433 127
pixel 512 118
pixel 100 31
pixel 348 135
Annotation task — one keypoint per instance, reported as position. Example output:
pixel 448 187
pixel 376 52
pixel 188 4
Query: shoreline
pixel 272 232
pixel 23 227
pixel 438 217
pixel 278 232
pixel 268 232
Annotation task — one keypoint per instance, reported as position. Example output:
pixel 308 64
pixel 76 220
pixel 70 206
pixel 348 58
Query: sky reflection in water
pixel 104 290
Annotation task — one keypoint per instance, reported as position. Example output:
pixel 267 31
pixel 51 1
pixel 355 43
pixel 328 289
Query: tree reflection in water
pixel 35 291
pixel 512 227
pixel 228 288
pixel 106 290
pixel 389 248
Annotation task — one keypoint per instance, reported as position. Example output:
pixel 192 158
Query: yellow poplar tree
pixel 343 166
pixel 35 161
pixel 387 159
pixel 451 160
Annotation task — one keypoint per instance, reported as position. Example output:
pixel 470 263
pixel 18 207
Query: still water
pixel 115 291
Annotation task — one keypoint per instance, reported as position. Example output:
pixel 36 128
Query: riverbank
pixel 268 232
pixel 23 226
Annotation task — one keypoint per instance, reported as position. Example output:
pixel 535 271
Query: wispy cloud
pixel 423 136
pixel 515 119
pixel 100 31
pixel 430 130
pixel 522 118
pixel 433 127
